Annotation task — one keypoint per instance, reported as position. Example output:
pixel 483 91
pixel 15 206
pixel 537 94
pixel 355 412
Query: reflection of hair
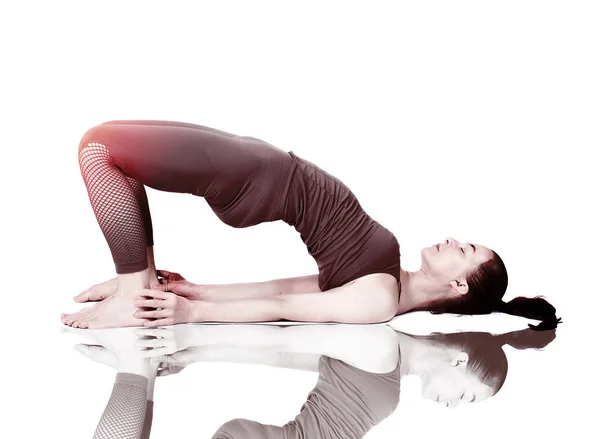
pixel 487 284
pixel 487 359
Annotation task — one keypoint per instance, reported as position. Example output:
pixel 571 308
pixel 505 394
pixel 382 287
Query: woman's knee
pixel 90 136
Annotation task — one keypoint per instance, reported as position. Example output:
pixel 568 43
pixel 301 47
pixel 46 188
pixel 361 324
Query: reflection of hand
pixel 163 341
pixel 169 308
pixel 174 363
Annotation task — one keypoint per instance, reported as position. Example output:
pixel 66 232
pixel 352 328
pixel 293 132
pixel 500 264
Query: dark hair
pixel 487 284
pixel 487 359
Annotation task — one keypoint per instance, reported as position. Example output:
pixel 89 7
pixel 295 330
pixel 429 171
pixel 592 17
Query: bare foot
pixel 98 292
pixel 115 311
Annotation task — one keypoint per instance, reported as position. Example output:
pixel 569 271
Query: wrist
pixel 197 311
pixel 200 292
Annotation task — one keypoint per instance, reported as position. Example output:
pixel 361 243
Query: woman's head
pixel 473 365
pixel 476 279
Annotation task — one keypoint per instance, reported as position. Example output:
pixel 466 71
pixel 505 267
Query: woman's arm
pixel 257 290
pixel 369 300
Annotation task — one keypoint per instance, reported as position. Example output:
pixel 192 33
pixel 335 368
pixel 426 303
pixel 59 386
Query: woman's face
pixel 452 259
pixel 451 383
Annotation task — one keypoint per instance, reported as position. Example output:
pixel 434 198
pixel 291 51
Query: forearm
pixel 237 291
pixel 238 311
pixel 257 290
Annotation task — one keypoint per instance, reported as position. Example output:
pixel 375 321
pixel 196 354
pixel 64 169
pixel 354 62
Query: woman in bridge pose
pixel 247 181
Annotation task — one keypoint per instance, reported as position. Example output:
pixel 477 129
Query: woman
pixel 358 384
pixel 247 181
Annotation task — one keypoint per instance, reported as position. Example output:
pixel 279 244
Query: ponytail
pixel 526 339
pixel 487 284
pixel 536 308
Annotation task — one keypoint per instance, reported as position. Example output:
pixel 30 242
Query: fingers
pixel 159 322
pixel 150 303
pixel 156 294
pixel 162 286
pixel 163 273
pixel 155 314
pixel 169 275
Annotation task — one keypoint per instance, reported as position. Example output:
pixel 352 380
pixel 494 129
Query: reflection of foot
pixel 113 312
pixel 98 353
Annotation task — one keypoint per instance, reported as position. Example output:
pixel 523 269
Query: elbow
pixel 384 315
pixel 388 306
pixel 384 307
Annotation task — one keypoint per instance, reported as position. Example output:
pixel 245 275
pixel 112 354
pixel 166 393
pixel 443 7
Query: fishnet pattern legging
pixel 127 415
pixel 121 207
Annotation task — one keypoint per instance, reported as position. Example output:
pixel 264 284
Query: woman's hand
pixel 168 308
pixel 176 283
pixel 98 292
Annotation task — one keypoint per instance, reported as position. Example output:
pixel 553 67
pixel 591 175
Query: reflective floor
pixel 301 381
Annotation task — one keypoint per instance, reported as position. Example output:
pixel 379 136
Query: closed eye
pixel 462 249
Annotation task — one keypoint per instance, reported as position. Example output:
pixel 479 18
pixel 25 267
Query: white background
pixel 471 119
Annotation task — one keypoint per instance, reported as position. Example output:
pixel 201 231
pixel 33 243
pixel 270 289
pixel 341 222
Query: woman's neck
pixel 418 291
pixel 418 355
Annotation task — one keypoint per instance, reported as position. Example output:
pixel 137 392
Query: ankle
pixel 137 280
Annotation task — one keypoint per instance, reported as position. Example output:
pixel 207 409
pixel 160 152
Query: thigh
pixel 171 123
pixel 167 157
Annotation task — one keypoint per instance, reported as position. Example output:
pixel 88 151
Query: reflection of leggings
pixel 127 415
pixel 118 158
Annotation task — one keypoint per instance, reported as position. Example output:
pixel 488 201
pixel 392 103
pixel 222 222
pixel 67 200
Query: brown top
pixel 344 240
pixel 346 403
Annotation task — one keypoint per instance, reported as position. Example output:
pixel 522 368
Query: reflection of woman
pixel 247 181
pixel 348 400
pixel 360 367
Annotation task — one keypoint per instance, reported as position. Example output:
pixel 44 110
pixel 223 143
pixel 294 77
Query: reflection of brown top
pixel 346 403
pixel 247 181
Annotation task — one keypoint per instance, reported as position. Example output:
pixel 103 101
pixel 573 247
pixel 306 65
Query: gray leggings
pixel 127 415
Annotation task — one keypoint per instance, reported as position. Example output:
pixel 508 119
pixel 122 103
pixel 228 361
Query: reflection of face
pixel 452 259
pixel 451 383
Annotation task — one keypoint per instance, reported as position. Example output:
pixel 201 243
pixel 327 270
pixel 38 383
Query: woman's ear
pixel 460 360
pixel 460 285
